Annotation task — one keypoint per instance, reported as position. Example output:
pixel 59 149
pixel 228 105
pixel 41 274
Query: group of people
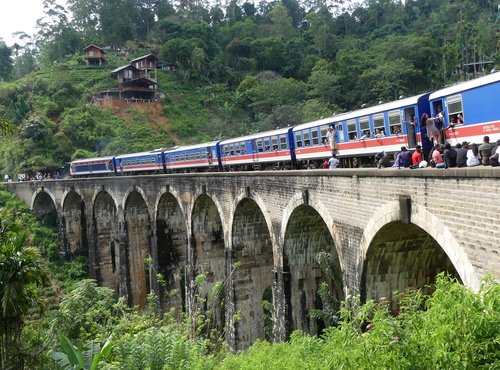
pixel 464 154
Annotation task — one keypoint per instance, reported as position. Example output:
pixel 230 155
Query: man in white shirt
pixel 333 162
pixel 331 137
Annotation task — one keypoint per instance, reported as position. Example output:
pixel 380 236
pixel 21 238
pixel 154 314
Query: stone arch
pixel 74 224
pixel 307 234
pixel 252 249
pixel 410 260
pixel 307 198
pixel 250 194
pixel 207 234
pixel 172 240
pixel 44 207
pixel 107 240
pixel 137 221
pixel 138 190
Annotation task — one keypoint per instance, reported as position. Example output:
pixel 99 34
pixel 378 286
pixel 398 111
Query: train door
pixel 256 148
pixel 411 126
pixel 440 122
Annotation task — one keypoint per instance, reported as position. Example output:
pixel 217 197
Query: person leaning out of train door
pixel 485 151
pixel 495 155
pixel 331 137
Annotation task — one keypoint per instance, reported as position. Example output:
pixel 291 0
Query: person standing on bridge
pixel 333 162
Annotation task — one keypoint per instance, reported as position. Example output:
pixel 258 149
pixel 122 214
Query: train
pixel 471 110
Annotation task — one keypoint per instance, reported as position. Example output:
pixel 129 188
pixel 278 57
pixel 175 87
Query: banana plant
pixel 74 358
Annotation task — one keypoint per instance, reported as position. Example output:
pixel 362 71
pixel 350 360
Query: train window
pixel 395 122
pixel 340 132
pixel 323 130
pixel 283 142
pixel 314 136
pixel 243 147
pixel 274 142
pixel 266 144
pixel 177 157
pixel 455 110
pixel 351 129
pixel 237 150
pixel 298 139
pixel 259 145
pixel 364 125
pixel 379 125
pixel 231 149
pixel 307 141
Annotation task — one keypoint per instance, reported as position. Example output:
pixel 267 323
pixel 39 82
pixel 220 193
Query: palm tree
pixel 20 273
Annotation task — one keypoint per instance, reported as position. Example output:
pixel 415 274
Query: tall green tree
pixel 5 61
pixel 21 272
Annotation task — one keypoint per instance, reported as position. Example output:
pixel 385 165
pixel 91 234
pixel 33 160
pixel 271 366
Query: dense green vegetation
pixel 53 314
pixel 242 67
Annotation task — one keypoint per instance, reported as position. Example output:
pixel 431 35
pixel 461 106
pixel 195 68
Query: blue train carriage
pixel 363 133
pixel 138 163
pixel 92 166
pixel 471 109
pixel 260 151
pixel 193 158
pixel 311 146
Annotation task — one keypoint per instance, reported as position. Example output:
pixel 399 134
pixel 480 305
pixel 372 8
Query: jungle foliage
pixel 242 67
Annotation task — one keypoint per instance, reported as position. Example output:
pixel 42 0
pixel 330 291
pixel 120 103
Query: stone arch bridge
pixel 259 234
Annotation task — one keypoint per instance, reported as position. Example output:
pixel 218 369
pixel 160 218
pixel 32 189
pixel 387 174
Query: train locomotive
pixel 470 110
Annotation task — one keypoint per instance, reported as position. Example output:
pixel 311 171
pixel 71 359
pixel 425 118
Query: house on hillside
pixel 94 55
pixel 137 82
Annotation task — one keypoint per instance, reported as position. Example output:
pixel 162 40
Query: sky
pixel 19 15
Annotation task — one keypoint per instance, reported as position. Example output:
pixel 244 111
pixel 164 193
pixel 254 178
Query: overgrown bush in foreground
pixel 458 329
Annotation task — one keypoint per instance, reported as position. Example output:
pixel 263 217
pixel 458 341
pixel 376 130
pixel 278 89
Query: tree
pixel 282 23
pixel 5 61
pixel 21 273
